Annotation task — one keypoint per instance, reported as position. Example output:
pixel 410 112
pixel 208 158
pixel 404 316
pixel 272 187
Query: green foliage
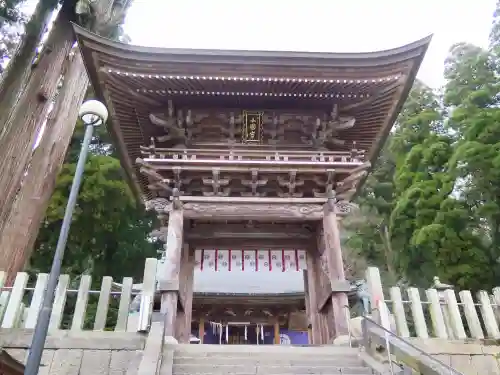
pixel 110 231
pixel 436 190
pixel 11 23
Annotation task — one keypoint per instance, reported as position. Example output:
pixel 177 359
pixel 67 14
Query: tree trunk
pixel 389 254
pixel 16 145
pixel 17 73
pixel 21 228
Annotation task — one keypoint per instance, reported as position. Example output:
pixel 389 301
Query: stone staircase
pixel 265 360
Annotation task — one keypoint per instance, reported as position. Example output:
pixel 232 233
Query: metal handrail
pixel 366 320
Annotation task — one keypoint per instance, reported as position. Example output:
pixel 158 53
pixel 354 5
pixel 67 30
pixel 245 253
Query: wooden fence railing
pixel 414 312
pixel 436 313
pixel 76 306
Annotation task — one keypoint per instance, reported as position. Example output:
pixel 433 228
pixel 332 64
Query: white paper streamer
pixel 262 332
pixel 246 333
pixel 227 333
pixel 217 329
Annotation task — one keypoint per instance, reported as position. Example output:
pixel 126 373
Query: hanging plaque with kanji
pixel 252 127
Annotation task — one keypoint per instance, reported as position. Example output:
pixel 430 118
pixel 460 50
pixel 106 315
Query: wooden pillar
pixel 308 307
pixel 168 284
pixel 316 280
pixel 335 265
pixel 183 323
pixel 277 340
pixel 201 330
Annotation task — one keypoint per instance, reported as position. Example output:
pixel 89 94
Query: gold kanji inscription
pixel 252 127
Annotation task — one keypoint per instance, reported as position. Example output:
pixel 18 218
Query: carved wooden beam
pixel 256 211
pixel 253 200
pixel 245 209
pixel 343 208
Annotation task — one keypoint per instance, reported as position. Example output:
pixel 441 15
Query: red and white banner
pixel 250 260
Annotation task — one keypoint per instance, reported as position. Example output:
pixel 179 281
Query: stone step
pixel 210 369
pixel 266 356
pixel 269 360
pixel 266 349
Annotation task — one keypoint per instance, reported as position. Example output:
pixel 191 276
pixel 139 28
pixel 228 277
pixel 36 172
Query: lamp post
pixel 93 113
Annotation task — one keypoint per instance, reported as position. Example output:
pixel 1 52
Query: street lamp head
pixel 93 112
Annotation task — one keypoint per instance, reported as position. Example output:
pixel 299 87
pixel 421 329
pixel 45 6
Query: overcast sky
pixel 312 25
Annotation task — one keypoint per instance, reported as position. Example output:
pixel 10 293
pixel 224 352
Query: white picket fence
pixel 20 304
pixel 438 313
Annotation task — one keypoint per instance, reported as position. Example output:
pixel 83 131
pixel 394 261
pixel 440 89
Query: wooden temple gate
pixel 245 152
pixel 312 227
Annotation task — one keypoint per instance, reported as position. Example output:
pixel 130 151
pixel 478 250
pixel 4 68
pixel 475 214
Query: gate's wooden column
pixel 316 283
pixel 168 284
pixel 335 264
pixel 308 307
pixel 184 316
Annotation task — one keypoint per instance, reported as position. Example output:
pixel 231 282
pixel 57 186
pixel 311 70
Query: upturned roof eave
pixel 384 133
pixel 216 56
pixel 92 73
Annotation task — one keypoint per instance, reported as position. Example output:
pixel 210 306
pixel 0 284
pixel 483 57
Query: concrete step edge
pixel 363 371
pixel 257 358
pixel 270 347
pixel 366 372
pixel 270 362
pixel 243 367
pixel 262 349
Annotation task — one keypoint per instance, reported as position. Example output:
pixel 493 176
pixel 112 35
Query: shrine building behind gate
pixel 250 159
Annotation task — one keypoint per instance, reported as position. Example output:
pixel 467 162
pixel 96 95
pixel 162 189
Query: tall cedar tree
pixel 20 68
pixel 437 188
pixel 23 220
